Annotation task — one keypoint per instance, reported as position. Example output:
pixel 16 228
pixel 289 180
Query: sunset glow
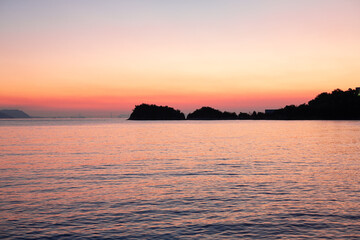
pixel 97 58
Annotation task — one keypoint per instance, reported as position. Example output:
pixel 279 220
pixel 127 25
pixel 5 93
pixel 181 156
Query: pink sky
pixel 95 58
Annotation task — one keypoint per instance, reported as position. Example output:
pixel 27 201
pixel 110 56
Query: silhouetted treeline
pixel 153 112
pixel 13 113
pixel 337 105
pixel 208 113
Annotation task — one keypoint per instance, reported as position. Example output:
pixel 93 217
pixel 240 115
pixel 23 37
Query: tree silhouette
pixel 337 105
pixel 153 112
pixel 208 113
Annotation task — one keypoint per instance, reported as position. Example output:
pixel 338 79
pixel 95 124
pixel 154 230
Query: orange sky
pixel 95 58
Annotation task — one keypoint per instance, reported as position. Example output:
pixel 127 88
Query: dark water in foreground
pixel 110 178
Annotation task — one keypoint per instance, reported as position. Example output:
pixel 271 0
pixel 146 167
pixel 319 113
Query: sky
pixel 101 58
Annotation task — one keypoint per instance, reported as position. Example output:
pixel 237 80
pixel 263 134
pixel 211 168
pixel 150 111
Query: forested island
pixel 153 112
pixel 208 113
pixel 337 105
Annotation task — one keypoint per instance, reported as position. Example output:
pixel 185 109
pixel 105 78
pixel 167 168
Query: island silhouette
pixel 337 105
pixel 13 113
pixel 154 112
pixel 208 113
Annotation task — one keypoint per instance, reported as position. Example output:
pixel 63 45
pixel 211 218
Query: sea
pixel 236 179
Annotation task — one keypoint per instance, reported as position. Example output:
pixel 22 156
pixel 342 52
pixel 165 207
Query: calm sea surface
pixel 112 178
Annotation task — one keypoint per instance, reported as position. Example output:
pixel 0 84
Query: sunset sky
pixel 96 58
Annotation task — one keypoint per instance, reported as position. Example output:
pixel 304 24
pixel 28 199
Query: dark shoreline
pixel 337 105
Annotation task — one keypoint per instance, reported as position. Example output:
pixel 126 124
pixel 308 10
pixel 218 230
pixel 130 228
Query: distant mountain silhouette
pixel 208 113
pixel 153 112
pixel 13 113
pixel 4 115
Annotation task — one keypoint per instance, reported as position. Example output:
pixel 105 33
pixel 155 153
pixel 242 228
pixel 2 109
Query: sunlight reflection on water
pixel 111 178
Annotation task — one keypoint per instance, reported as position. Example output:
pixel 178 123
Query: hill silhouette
pixel 208 113
pixel 154 112
pixel 337 105
pixel 13 113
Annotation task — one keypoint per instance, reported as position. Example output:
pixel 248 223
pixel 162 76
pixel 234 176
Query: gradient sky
pixel 63 58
